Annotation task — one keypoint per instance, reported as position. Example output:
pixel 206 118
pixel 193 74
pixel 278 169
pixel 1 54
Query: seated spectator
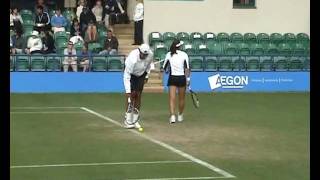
pixel 17 19
pixel 11 20
pixel 11 46
pixel 88 25
pixel 82 3
pixel 18 43
pixel 42 4
pixel 58 22
pixel 34 44
pixel 111 45
pixel 97 10
pixel 84 58
pixel 75 28
pixel 48 43
pixel 109 9
pixel 42 20
pixel 70 58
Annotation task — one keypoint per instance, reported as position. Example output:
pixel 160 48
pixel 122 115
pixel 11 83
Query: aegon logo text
pixel 228 82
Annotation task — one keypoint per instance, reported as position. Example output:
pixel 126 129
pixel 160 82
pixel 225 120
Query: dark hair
pixel 40 7
pixel 173 47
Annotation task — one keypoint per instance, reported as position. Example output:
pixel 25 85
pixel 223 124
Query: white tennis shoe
pixel 137 125
pixel 180 117
pixel 128 126
pixel 172 119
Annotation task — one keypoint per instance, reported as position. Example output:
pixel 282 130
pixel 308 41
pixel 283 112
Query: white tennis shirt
pixel 135 66
pixel 177 62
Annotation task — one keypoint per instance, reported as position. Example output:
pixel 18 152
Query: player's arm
pixel 148 69
pixel 187 69
pixel 127 74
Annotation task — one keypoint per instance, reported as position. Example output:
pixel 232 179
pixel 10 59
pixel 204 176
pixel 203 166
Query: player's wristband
pixel 188 79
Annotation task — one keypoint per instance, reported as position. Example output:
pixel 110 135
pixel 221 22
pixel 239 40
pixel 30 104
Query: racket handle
pixel 129 100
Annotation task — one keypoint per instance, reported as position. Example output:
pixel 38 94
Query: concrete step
pixel 130 25
pixel 154 81
pixel 155 89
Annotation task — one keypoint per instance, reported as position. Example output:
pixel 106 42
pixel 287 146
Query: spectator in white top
pixel 11 20
pixel 70 58
pixel 179 78
pixel 34 44
pixel 82 3
pixel 137 68
pixel 16 19
pixel 138 23
pixel 97 10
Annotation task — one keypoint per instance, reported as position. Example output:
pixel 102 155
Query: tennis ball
pixel 140 129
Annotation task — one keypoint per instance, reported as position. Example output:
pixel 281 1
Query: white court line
pixel 213 177
pixel 41 107
pixel 47 112
pixel 169 147
pixel 98 164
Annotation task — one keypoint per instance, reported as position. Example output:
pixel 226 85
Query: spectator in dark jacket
pixel 18 43
pixel 48 43
pixel 110 45
pixel 42 20
pixel 88 25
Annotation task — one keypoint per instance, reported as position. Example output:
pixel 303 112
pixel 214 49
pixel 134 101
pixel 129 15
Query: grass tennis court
pixel 251 136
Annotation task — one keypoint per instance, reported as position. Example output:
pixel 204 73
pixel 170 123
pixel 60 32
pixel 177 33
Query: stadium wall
pixel 219 16
pixel 52 82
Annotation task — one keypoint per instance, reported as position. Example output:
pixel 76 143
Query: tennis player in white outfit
pixel 178 63
pixel 137 68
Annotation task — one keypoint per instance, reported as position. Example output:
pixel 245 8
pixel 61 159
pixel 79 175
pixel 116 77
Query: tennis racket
pixel 132 114
pixel 194 98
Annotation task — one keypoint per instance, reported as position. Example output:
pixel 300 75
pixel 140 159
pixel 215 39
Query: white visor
pixel 180 44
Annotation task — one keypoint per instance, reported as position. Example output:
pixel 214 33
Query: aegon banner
pixel 249 81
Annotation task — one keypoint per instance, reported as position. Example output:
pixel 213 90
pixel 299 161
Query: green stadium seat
pixel 276 38
pixel 168 38
pixel 38 63
pixel 244 49
pixel 69 15
pixel 155 37
pixel 160 51
pixel 94 47
pixel 263 38
pixel 102 37
pixel 296 63
pixel 250 38
pixel 99 64
pixel 52 12
pixel 266 63
pixel 203 49
pixel 236 38
pixel 303 38
pixel 27 34
pixel 253 63
pixel 196 63
pixel 196 38
pixel 223 37
pixel 189 49
pixel 306 64
pixel 211 63
pixel 271 50
pixel 22 63
pixel 284 49
pixel 116 63
pixel 60 46
pixel 26 15
pixel 257 49
pixel 183 36
pixel 78 46
pixel 299 50
pixel 54 63
pixel 60 34
pixel 281 63
pixel 215 48
pixel 209 36
pixel 12 63
pixel 239 63
pixel 231 49
pixel 28 25
pixel 290 38
pixel 225 63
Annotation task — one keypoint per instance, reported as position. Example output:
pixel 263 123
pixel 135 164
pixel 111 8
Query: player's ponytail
pixel 174 46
